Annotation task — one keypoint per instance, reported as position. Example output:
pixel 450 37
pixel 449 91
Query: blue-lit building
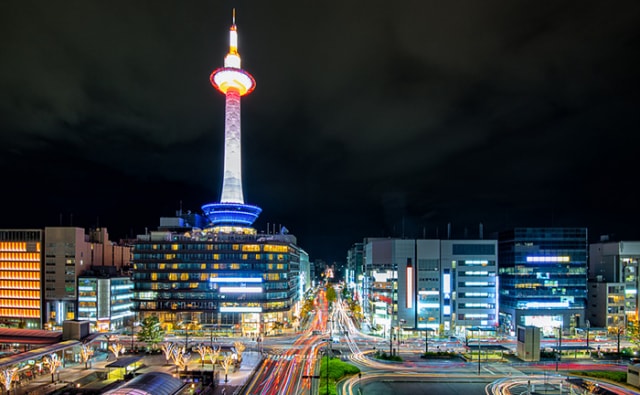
pixel 244 282
pixel 543 278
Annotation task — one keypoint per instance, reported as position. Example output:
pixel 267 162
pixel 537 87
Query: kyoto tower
pixel 233 82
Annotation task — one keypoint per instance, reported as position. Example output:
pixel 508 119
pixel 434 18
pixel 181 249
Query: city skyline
pixel 365 122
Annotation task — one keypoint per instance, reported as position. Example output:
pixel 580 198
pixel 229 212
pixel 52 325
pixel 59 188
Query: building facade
pixel 444 286
pixel 21 298
pixel 68 252
pixel 247 283
pixel 104 299
pixel 543 279
pixel 613 266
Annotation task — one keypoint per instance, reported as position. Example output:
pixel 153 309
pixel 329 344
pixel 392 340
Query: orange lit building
pixel 21 278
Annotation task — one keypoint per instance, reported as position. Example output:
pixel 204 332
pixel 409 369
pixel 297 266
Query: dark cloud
pixel 367 120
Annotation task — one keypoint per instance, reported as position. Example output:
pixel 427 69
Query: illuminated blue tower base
pixel 231 214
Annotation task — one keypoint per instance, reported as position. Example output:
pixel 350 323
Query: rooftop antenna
pixel 234 16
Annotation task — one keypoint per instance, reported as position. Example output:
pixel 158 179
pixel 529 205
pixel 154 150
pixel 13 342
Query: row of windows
pixel 13 312
pixel 30 266
pixel 5 284
pixel 24 303
pixel 204 305
pixel 20 256
pixel 212 266
pixel 216 247
pixel 8 240
pixel 18 293
pixel 18 275
pixel 211 257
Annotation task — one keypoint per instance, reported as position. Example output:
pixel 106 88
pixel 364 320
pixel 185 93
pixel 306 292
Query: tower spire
pixel 234 82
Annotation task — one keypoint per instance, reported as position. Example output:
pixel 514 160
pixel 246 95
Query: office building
pixel 543 279
pixel 447 286
pixel 104 299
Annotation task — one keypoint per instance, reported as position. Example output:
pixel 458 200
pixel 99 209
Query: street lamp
pixel 559 353
pixel 588 326
pixel 478 351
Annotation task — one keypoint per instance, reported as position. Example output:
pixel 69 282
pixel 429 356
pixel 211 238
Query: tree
pixel 116 349
pixel 226 363
pixel 633 332
pixel 53 362
pixel 7 377
pixel 239 347
pixel 151 332
pixel 167 349
pixel 203 351
pixel 180 357
pixel 331 295
pixel 86 352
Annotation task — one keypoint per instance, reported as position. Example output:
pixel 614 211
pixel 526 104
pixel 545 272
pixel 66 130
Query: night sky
pixel 369 119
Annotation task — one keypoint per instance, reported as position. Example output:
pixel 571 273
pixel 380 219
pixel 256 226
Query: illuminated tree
pixel 203 351
pixel 167 349
pixel 239 347
pixel 7 377
pixel 226 363
pixel 214 353
pixel 116 349
pixel 52 362
pixel 180 358
pixel 86 352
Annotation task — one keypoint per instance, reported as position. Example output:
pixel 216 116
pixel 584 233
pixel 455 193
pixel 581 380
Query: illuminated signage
pixel 547 259
pixel 236 279
pixel 409 286
pixel 240 289
pixel 241 309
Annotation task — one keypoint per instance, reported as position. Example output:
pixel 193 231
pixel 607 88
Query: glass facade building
pixel 543 278
pixel 245 281
pixel 105 302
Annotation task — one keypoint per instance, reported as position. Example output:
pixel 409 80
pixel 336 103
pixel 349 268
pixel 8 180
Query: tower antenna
pixel 234 17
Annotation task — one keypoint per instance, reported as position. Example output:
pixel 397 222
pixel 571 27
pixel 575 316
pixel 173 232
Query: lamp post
pixel 478 351
pixel 426 340
pixel 588 326
pixel 559 353
pixel 618 333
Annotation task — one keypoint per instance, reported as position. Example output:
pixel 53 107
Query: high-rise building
pixel 21 299
pixel 219 271
pixel 543 278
